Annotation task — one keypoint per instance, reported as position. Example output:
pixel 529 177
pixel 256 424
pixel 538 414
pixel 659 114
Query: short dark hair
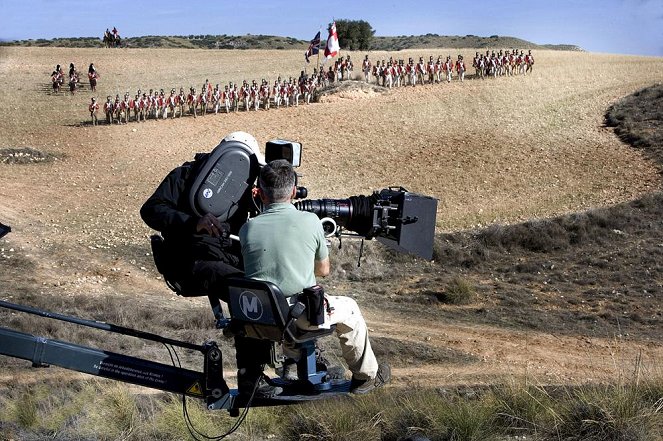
pixel 277 180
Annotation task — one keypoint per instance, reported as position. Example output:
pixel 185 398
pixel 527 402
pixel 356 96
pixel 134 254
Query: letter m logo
pixel 250 305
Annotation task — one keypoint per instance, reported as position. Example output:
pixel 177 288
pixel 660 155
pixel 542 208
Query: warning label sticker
pixel 195 389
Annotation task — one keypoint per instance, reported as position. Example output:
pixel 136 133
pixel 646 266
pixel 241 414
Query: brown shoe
pixel 382 377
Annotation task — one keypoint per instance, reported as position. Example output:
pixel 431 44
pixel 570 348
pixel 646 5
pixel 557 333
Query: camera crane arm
pixel 42 352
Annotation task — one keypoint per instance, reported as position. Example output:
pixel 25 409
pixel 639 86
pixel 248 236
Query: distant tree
pixel 354 34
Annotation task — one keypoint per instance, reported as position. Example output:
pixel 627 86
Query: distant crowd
pixel 157 104
pixel 233 97
pixel 395 73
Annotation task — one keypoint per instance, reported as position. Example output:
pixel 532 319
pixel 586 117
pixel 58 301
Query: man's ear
pixel 294 192
pixel 263 197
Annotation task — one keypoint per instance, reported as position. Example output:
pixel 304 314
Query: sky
pixel 610 26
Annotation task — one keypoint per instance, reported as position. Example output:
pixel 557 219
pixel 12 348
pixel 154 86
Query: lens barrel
pixel 353 213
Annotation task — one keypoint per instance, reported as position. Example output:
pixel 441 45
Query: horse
pixel 111 41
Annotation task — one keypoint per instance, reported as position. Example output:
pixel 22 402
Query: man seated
pixel 288 248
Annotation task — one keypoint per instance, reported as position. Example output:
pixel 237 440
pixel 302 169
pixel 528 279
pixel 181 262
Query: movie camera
pixel 400 219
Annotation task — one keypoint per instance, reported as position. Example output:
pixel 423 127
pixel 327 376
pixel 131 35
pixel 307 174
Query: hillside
pixel 548 249
pixel 275 42
pixel 459 42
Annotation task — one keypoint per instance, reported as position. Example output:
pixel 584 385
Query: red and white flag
pixel 332 42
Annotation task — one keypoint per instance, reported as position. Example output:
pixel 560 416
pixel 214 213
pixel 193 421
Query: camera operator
pixel 288 248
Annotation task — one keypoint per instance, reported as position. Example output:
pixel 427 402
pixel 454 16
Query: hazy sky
pixel 615 26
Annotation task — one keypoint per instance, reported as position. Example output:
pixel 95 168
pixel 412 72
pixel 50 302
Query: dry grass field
pixel 499 151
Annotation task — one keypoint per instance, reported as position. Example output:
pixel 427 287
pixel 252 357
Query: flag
pixel 332 42
pixel 313 48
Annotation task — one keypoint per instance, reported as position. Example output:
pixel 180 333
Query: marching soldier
pixel 181 101
pixel 108 110
pixel 366 68
pixel 460 68
pixel 431 70
pixel 264 94
pixel 93 108
pixel 117 108
pixel 529 61
pixel 92 76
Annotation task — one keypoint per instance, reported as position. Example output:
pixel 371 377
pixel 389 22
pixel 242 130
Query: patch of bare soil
pixel 558 297
pixel 352 90
pixel 24 155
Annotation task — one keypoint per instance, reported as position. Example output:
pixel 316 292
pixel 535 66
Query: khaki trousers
pixel 352 334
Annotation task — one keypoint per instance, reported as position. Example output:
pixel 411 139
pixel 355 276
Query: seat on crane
pixel 263 312
pixel 258 309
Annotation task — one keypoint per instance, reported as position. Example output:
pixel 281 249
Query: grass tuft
pixel 458 292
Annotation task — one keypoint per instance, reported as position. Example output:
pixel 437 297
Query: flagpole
pixel 318 63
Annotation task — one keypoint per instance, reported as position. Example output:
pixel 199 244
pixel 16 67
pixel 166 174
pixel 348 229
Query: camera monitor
pixel 282 149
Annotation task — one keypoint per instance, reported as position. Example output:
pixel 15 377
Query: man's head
pixel 277 181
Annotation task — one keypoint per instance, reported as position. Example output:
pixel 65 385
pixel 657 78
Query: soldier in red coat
pixel 529 61
pixel 108 110
pixel 460 68
pixel 93 108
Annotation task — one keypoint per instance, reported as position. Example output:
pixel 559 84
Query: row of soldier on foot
pixel 157 105
pixel 395 73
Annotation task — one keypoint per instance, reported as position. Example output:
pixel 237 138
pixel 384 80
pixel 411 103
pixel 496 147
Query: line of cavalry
pixel 284 93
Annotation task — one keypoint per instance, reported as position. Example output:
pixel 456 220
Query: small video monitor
pixel 281 149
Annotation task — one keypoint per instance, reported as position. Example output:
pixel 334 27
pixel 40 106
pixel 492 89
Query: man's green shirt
pixel 280 246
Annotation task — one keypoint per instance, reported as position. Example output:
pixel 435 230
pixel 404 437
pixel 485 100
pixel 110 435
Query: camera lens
pixel 353 213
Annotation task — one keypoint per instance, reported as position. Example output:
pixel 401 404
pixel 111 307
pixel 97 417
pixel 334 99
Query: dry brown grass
pixel 500 150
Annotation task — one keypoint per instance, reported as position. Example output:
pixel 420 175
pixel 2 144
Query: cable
pixel 175 360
